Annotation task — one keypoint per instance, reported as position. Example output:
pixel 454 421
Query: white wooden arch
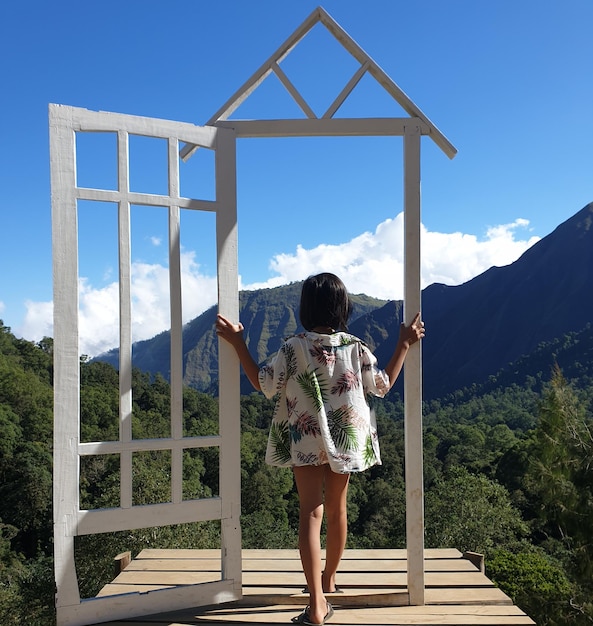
pixel 411 129
pixel 219 134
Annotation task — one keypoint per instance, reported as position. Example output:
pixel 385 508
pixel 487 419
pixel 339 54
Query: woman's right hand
pixel 233 333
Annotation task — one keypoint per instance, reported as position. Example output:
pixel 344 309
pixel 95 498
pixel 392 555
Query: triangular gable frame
pixel 411 129
pixel 312 125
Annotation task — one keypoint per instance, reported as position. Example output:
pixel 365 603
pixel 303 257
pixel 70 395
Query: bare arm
pixel 233 334
pixel 408 335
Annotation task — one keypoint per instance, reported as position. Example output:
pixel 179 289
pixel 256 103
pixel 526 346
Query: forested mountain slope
pixel 268 315
pixel 481 326
pixel 474 329
pixel 508 470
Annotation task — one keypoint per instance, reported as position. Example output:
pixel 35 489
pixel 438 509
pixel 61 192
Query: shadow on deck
pixel 373 582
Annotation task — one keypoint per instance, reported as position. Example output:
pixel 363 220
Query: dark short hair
pixel 325 302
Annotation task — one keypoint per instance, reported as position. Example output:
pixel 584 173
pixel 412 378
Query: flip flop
pixel 303 618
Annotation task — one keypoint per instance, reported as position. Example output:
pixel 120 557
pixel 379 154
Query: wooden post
pixel 66 354
pixel 229 368
pixel 120 562
pixel 476 559
pixel 413 368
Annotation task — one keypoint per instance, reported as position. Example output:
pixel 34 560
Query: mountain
pixel 482 326
pixel 474 330
pixel 503 314
pixel 268 316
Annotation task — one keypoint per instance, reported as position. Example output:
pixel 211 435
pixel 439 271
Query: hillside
pixel 268 315
pixel 475 330
pixel 483 454
pixel 508 454
pixel 503 314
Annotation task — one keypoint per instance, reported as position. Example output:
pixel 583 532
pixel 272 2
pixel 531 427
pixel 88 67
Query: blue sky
pixel 509 83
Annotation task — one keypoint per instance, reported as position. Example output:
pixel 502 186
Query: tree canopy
pixel 508 472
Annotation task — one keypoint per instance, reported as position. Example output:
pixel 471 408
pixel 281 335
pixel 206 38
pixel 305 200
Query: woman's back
pixel 321 383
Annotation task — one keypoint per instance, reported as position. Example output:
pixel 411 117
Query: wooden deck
pixel 373 583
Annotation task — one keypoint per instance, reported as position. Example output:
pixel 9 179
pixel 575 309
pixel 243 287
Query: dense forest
pixel 508 473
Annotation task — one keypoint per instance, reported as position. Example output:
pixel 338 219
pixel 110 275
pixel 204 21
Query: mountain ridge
pixel 474 330
pixel 546 293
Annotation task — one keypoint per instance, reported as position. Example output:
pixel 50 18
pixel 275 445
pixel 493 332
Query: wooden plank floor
pixel 373 584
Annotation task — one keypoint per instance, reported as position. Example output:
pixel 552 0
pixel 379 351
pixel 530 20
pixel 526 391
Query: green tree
pixel 536 584
pixel 471 513
pixel 559 480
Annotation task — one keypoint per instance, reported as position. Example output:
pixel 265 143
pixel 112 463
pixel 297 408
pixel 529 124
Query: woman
pixel 323 426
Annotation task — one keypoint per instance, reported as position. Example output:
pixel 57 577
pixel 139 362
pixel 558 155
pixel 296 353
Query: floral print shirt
pixel 321 384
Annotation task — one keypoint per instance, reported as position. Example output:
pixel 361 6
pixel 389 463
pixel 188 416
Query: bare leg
pixel 309 481
pixel 336 492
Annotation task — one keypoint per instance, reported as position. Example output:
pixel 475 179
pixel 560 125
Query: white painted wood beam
pixel 176 314
pixel 125 318
pixel 66 351
pixel 339 127
pixel 293 91
pixel 84 120
pixel 117 607
pixel 228 362
pixel 144 199
pixel 137 445
pixel 146 516
pixel 414 472
pixel 337 103
pixel 392 88
pixel 249 86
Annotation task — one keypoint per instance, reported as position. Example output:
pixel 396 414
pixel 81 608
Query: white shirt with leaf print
pixel 321 384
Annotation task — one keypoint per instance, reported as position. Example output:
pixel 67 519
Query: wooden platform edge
pixel 460 594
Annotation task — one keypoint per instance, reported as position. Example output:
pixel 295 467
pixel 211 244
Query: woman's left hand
pixel 411 334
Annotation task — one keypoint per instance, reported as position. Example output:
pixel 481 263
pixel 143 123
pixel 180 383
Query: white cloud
pixel 99 307
pixel 371 263
pixel 38 320
pixel 455 258
pixel 2 306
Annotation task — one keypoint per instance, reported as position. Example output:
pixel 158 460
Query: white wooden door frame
pixel 411 128
pixel 69 520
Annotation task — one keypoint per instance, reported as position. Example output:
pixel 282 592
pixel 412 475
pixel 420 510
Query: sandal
pixel 304 618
